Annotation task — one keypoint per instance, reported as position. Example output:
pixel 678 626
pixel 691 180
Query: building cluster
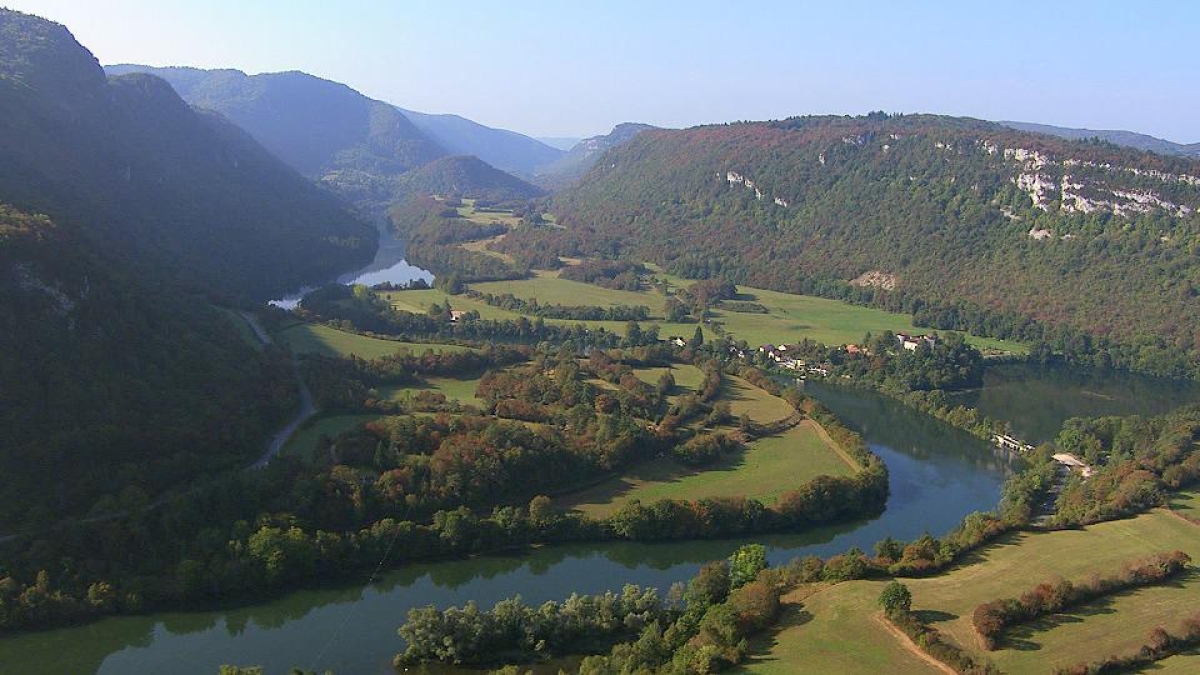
pixel 786 357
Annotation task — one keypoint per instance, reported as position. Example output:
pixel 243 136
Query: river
pixel 1035 400
pixel 938 474
pixel 389 265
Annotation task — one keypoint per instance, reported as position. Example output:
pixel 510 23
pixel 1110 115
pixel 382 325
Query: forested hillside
pixel 109 386
pixel 969 224
pixel 156 183
pixel 467 176
pixel 118 378
pixel 329 132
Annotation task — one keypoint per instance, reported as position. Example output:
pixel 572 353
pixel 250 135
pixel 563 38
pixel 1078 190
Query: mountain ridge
pixel 1131 139
pixel 503 149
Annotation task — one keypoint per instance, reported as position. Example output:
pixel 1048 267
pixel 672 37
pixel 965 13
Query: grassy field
pixel 304 441
pixel 1006 569
pixel 481 246
pixel 832 629
pixel 686 376
pixel 1187 503
pixel 746 398
pixel 549 289
pixel 462 390
pixel 792 317
pixel 795 317
pixel 306 338
pixel 419 302
pixel 468 211
pixel 767 468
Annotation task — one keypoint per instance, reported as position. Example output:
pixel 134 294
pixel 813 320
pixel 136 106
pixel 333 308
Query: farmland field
pixel 832 629
pixel 768 467
pixel 306 338
pixel 455 389
pixel 760 406
pixel 795 317
pixel 1187 502
pixel 1006 569
pixel 791 318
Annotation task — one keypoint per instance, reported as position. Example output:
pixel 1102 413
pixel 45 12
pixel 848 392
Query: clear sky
pixel 576 67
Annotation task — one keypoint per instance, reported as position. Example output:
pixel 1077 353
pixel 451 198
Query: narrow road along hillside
pixel 307 407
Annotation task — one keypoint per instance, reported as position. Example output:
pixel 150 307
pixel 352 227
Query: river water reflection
pixel 389 265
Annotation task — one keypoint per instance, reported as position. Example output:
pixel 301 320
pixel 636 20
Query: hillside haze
pixel 1130 139
pixel 352 144
pixel 506 150
pixel 468 176
pixel 155 182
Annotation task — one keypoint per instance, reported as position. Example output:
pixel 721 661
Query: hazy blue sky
pixel 577 68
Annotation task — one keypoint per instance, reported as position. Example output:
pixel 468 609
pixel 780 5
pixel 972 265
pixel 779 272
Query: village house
pixel 911 342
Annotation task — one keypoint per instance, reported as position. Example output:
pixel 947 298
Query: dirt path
pixel 911 648
pixel 835 445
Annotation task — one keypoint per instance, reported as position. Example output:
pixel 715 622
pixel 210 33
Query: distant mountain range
pixel 1128 139
pixel 584 154
pixel 359 147
pixel 153 182
pixel 506 150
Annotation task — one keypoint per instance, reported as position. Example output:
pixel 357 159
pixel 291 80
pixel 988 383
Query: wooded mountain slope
pixel 468 176
pixel 156 183
pixel 327 131
pixel 117 377
pixel 108 384
pixel 1073 233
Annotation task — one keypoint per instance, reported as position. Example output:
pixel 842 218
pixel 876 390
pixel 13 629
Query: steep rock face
pixel 153 182
pixel 1081 233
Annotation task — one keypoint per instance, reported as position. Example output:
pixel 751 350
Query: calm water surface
pixel 1035 400
pixel 389 265
pixel 938 475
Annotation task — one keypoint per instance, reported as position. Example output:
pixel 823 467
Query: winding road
pixel 307 407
